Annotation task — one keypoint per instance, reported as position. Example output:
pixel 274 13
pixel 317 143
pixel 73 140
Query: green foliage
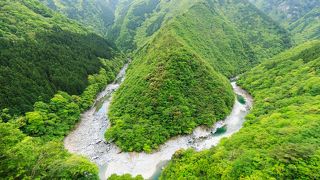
pixel 307 27
pixel 97 82
pixel 44 156
pixel 95 14
pixel 43 53
pixel 130 17
pixel 286 12
pixel 23 157
pixel 168 91
pixel 125 177
pixel 54 119
pixel 280 139
pixel 300 17
pixel 230 35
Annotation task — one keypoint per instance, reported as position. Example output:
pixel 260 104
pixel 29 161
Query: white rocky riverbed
pixel 88 137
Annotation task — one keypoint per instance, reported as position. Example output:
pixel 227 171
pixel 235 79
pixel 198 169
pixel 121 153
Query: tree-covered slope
pixel 43 52
pixel 165 95
pixel 96 14
pixel 280 139
pixel 231 35
pixel 129 16
pixel 286 11
pixel 169 90
pixel 138 21
pixel 307 27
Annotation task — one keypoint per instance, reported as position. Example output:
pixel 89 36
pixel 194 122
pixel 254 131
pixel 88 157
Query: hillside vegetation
pixel 138 22
pixel 183 54
pixel 232 36
pixel 97 15
pixel 166 94
pixel 43 52
pixel 286 12
pixel 176 81
pixel 300 17
pixel 280 139
pixel 307 27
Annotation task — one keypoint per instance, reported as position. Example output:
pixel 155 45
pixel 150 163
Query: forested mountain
pixel 165 93
pixel 280 139
pixel 96 14
pixel 300 17
pixel 286 12
pixel 307 27
pixel 55 58
pixel 43 52
pixel 138 21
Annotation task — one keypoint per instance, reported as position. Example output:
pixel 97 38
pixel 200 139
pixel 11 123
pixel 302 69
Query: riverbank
pixel 88 138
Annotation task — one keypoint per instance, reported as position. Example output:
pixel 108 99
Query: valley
pixel 88 137
pixel 145 89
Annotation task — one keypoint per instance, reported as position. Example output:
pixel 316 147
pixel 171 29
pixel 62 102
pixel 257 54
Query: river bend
pixel 88 137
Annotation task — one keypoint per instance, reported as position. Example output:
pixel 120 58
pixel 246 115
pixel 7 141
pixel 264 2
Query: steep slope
pixel 130 14
pixel 96 14
pixel 307 27
pixel 168 91
pixel 286 12
pixel 138 21
pixel 280 139
pixel 176 83
pixel 43 52
pixel 232 36
pixel 235 27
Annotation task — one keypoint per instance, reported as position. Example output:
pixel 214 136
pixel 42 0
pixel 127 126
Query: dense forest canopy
pixel 98 15
pixel 307 27
pixel 300 17
pixel 55 58
pixel 166 92
pixel 280 139
pixel 286 12
pixel 165 95
pixel 43 52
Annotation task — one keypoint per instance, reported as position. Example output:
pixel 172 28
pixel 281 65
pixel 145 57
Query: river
pixel 88 137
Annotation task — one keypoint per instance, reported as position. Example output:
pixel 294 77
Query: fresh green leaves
pixel 23 157
pixel 280 139
pixel 168 91
pixel 42 54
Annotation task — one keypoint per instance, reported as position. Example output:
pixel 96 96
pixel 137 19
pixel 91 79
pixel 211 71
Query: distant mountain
pixel 286 12
pixel 43 52
pixel 95 14
pixel 307 27
pixel 185 52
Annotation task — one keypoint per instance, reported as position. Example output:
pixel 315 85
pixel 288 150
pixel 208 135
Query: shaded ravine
pixel 88 138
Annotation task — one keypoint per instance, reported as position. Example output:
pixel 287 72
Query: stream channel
pixel 88 137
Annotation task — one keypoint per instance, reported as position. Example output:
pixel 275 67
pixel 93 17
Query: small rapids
pixel 88 137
